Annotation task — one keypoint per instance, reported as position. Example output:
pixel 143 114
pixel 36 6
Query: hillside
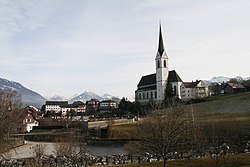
pixel 224 104
pixel 29 97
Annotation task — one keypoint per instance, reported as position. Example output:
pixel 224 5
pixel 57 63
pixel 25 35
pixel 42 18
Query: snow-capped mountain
pixel 239 79
pixel 222 79
pixel 87 95
pixel 219 79
pixel 29 97
pixel 57 98
pixel 247 78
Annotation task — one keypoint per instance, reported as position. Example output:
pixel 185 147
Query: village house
pixel 194 90
pixel 24 119
pixel 233 88
pixel 92 106
pixel 107 106
pixel 78 107
pixel 55 106
pixel 62 108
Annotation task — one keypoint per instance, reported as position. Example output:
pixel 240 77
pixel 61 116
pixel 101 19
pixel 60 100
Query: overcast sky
pixel 64 47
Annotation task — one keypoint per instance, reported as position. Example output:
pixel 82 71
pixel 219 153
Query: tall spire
pixel 161 46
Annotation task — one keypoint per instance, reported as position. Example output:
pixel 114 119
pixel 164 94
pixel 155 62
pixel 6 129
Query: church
pixel 152 86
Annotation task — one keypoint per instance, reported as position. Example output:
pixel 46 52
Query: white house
pixel 63 107
pixel 194 90
pixel 24 120
pixel 55 106
pixel 107 106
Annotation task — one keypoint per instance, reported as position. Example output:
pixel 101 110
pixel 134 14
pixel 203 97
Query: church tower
pixel 161 62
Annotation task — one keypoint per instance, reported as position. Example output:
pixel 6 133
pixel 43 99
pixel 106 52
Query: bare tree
pixel 166 132
pixel 73 149
pixel 110 125
pixel 9 101
pixel 38 152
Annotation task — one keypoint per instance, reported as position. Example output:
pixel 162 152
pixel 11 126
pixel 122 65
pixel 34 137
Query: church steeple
pixel 161 63
pixel 161 45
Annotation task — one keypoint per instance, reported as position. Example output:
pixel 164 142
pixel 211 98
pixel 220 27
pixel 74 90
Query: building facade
pixel 63 108
pixel 55 106
pixel 107 106
pixel 24 120
pixel 194 90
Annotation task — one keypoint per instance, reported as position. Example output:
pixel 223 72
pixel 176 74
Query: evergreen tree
pixel 169 94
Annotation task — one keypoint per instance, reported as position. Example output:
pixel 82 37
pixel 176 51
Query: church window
pixel 158 64
pixel 165 63
pixel 139 96
pixel 147 95
pixel 175 91
pixel 155 94
pixel 151 95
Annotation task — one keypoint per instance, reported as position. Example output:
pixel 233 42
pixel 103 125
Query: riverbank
pixel 25 151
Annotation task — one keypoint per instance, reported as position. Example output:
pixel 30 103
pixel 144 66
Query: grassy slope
pixel 216 108
pixel 225 104
pixel 220 108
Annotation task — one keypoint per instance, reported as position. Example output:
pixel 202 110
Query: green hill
pixel 224 104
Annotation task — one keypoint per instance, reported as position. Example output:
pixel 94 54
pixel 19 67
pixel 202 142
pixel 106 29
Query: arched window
pixel 155 94
pixel 139 96
pixel 165 63
pixel 143 95
pixel 151 95
pixel 158 64
pixel 147 96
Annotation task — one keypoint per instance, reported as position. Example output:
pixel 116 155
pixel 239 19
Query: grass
pixel 236 104
pixel 242 160
pixel 229 114
pixel 224 108
pixel 126 131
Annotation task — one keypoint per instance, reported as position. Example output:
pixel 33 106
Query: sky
pixel 65 47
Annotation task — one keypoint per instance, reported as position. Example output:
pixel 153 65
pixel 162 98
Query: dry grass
pixel 126 131
pixel 220 109
pixel 228 114
pixel 236 104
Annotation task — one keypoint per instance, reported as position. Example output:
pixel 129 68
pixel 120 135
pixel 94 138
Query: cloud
pixel 65 47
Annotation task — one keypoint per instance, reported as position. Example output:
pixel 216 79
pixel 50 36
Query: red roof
pixel 191 84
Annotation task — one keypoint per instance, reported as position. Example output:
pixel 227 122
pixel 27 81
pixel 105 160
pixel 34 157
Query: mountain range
pixel 86 95
pixel 30 97
pixel 222 79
